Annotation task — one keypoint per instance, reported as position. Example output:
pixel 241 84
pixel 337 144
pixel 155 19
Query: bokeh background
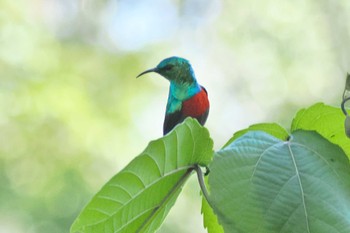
pixel 73 114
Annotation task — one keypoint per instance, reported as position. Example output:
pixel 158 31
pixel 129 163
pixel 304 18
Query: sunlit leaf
pixel 325 120
pixel 139 197
pixel 260 183
pixel 270 128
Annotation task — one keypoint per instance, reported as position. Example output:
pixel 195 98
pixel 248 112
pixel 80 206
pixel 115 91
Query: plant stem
pixel 343 106
pixel 199 172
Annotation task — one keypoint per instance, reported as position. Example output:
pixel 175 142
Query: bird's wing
pixel 171 120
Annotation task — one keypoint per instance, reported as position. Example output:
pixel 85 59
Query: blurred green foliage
pixel 61 101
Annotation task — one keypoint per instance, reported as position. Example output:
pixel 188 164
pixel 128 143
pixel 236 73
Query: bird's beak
pixel 147 71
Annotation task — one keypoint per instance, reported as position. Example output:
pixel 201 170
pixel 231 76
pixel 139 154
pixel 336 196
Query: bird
pixel 186 98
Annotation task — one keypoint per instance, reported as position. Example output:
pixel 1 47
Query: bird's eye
pixel 168 67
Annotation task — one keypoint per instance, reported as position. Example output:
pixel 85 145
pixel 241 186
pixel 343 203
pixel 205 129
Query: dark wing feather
pixel 171 120
pixel 203 118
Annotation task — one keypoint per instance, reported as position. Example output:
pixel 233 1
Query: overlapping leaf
pixel 263 184
pixel 139 197
pixel 209 218
pixel 327 121
pixel 270 128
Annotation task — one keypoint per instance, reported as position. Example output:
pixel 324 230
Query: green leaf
pixel 209 217
pixel 210 220
pixel 325 120
pixel 139 197
pixel 260 183
pixel 270 128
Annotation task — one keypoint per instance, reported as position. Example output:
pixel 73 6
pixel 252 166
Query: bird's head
pixel 174 69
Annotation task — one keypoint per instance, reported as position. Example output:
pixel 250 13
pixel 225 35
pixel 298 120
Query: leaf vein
pixel 139 193
pixel 300 186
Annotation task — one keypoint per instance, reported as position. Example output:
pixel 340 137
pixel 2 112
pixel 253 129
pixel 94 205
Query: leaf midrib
pixel 300 185
pixel 167 197
pixel 137 194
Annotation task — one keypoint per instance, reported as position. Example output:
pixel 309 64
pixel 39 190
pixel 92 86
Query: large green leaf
pixel 139 197
pixel 209 218
pixel 263 184
pixel 270 128
pixel 327 121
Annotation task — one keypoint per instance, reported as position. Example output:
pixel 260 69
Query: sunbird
pixel 186 97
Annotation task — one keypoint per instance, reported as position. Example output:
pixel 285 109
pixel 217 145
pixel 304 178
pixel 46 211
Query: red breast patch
pixel 196 105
